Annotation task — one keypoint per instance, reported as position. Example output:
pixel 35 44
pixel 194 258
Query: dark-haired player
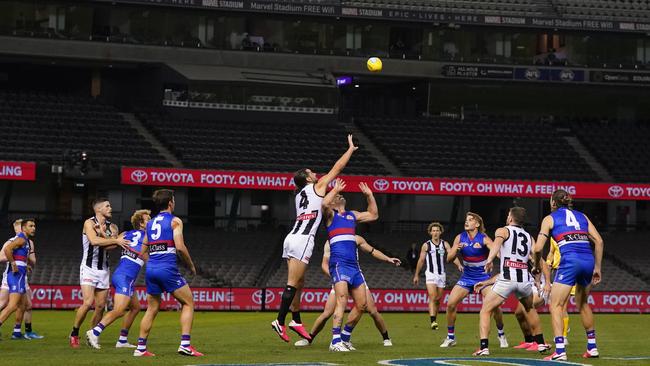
pixel 163 241
pixel 17 254
pixel 98 234
pixel 580 266
pixel 299 243
pixel 24 313
pixel 513 244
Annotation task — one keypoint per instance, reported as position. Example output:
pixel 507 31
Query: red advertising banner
pixel 417 301
pixel 17 170
pixel 69 297
pixel 250 299
pixel 393 185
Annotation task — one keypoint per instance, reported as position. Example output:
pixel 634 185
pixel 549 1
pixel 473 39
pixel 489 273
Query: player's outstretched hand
pixel 461 269
pixel 395 261
pixel 365 189
pixel 339 185
pixel 596 277
pixel 351 143
pixel 193 270
pixel 547 288
pixel 416 280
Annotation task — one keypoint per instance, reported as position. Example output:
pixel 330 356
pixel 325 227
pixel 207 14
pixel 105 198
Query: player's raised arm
pixel 323 182
pixel 377 254
pixel 325 263
pixel 455 248
pixel 420 264
pixel 179 242
pixel 339 186
pixel 372 212
pixel 599 244
pixel 542 238
pixel 329 198
pixel 98 241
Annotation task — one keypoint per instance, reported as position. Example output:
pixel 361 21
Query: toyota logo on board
pixel 615 191
pixel 257 297
pixel 139 176
pixel 380 184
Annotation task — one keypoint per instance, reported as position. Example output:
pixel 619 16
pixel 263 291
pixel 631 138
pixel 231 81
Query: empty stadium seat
pixel 259 145
pixel 490 147
pixel 51 123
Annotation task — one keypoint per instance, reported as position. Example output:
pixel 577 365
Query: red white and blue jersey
pixel 131 260
pixel 341 233
pixel 473 253
pixel 21 253
pixel 160 240
pixel 571 231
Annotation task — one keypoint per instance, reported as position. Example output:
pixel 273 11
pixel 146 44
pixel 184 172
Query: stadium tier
pixel 632 10
pixel 630 249
pixel 488 148
pixel 52 124
pixel 258 145
pixel 619 146
pixel 497 7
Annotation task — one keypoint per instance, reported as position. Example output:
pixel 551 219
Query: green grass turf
pixel 232 337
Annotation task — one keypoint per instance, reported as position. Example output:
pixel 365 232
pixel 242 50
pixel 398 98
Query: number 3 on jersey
pixel 571 220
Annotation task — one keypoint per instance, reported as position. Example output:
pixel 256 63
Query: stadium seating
pixel 42 126
pixel 232 259
pixel 501 148
pixel 494 7
pixel 620 147
pixel 263 146
pixel 630 10
pixel 630 249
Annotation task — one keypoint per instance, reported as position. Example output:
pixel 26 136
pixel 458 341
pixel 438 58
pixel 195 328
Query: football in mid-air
pixel 374 64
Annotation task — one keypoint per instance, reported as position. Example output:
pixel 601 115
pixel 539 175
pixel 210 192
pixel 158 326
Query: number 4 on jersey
pixel 571 220
pixel 304 201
